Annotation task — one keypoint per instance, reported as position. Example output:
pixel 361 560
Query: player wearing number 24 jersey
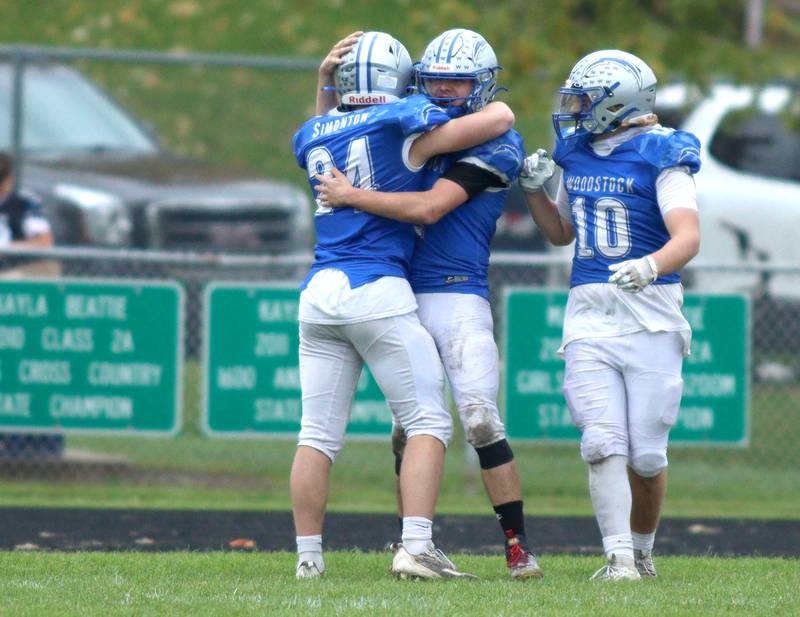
pixel 457 213
pixel 627 198
pixel 372 146
pixel 356 306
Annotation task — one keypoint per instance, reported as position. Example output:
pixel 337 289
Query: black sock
pixel 400 525
pixel 511 519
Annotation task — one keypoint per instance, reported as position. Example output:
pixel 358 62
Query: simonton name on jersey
pixel 337 123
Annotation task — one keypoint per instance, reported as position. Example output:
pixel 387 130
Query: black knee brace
pixel 494 455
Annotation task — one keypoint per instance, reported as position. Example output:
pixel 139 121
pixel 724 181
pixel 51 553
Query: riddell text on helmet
pixel 366 99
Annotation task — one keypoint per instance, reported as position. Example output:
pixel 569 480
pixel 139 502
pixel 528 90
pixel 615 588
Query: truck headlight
pixel 107 220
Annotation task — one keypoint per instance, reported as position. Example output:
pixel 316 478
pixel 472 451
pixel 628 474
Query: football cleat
pixel 644 563
pixel 431 564
pixel 520 560
pixel 618 568
pixel 307 569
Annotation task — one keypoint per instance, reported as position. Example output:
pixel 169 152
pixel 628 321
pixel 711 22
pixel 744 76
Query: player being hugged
pixel 449 269
pixel 627 197
pixel 356 305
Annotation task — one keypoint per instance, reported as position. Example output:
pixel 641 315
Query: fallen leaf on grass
pixel 242 543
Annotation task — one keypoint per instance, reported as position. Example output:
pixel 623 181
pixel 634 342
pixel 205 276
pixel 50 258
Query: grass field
pixel 255 474
pixel 176 584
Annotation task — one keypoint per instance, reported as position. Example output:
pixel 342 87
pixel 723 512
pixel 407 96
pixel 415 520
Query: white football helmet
pixel 460 54
pixel 377 70
pixel 603 89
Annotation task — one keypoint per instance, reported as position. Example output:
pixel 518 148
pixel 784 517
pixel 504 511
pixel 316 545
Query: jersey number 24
pixel 358 167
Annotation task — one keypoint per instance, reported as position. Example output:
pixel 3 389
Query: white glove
pixel 635 274
pixel 537 169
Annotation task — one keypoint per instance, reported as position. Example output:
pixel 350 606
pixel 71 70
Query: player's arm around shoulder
pixel 419 208
pixel 464 132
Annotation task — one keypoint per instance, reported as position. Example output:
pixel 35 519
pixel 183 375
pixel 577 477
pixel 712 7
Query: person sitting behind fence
pixel 22 219
pixel 23 223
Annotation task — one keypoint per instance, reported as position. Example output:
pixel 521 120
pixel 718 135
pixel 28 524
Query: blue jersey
pixel 453 254
pixel 613 202
pixel 369 146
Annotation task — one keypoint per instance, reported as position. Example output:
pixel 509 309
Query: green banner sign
pixel 714 407
pixel 251 374
pixel 90 356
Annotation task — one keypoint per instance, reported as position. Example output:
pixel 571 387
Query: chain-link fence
pixel 241 114
pixel 191 457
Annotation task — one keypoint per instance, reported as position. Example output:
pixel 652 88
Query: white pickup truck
pixel 749 186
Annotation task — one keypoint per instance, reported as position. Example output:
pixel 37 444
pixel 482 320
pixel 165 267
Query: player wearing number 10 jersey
pixel 357 306
pixel 627 198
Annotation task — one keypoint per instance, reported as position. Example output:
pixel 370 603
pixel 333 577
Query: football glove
pixel 635 274
pixel 537 169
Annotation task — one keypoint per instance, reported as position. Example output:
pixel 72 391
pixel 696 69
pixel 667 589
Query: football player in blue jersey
pixel 356 305
pixel 449 270
pixel 627 197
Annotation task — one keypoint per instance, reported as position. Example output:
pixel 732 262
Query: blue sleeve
pixel 502 156
pixel 298 145
pixel 564 147
pixel 416 114
pixel 668 148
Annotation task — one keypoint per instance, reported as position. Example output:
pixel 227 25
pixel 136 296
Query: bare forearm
pixel 545 214
pixel 677 252
pixel 326 96
pixel 415 207
pixel 683 226
pixel 463 133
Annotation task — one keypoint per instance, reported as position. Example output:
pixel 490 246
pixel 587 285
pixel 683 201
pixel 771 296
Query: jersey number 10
pixel 610 228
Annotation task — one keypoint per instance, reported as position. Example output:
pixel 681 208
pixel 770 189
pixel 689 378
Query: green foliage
pixel 249 118
pixel 92 584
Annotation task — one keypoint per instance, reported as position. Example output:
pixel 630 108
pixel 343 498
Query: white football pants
pixel 624 393
pixel 403 360
pixel 462 328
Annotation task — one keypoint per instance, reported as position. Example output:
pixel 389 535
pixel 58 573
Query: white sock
pixel 611 499
pixel 417 534
pixel 620 545
pixel 644 541
pixel 309 548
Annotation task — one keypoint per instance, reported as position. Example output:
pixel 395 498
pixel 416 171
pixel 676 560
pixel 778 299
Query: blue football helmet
pixel 460 54
pixel 603 89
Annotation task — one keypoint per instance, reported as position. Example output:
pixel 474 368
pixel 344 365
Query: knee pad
pixel 648 463
pixel 482 425
pixel 598 444
pixel 494 455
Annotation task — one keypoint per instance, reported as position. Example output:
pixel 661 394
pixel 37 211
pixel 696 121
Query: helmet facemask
pixel 604 89
pixel 463 55
pixel 484 88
